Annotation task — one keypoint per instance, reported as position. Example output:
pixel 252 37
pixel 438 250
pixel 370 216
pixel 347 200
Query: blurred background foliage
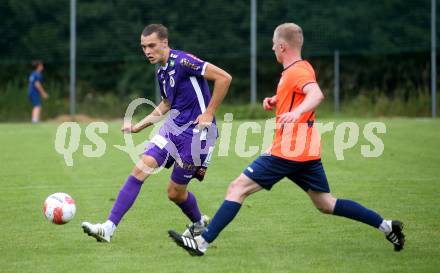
pixel 384 48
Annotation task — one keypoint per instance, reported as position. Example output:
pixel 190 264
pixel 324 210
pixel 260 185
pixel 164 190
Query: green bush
pixel 15 105
pixel 378 104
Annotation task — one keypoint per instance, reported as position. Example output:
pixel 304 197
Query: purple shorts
pixel 188 151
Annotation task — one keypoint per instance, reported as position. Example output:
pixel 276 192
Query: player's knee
pixel 172 195
pixel 236 190
pixel 139 174
pixel 326 207
pixel 324 202
pixel 147 164
pixel 175 196
pixel 144 168
pixel 233 189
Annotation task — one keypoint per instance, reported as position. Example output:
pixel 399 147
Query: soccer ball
pixel 59 208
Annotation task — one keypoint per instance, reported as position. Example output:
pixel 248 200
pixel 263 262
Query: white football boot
pixel 101 232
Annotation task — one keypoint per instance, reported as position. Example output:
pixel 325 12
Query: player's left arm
pixel 41 89
pixel 222 81
pixel 155 116
pixel 313 97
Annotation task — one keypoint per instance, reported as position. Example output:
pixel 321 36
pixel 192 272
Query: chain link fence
pixel 383 49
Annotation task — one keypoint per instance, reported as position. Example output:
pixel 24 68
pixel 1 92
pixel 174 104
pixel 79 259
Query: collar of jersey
pixel 290 65
pixel 166 65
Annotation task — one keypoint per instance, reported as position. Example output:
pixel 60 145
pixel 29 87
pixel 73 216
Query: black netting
pixel 384 45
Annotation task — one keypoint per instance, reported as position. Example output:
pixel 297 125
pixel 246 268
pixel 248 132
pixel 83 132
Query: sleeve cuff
pixel 204 68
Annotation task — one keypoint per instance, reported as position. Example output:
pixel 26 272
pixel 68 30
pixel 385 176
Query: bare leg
pixel 36 112
pixel 323 201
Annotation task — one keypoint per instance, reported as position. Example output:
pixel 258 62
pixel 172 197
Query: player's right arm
pixel 269 103
pixel 221 80
pixel 40 89
pixel 156 115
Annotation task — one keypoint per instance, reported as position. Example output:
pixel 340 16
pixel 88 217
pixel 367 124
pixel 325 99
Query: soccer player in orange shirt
pixel 295 152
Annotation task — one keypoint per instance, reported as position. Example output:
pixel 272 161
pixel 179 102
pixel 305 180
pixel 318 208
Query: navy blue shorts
pixel 35 99
pixel 267 170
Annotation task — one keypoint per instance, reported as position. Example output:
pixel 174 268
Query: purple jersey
pixel 182 83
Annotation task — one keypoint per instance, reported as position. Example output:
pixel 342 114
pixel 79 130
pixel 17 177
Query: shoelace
pixel 191 229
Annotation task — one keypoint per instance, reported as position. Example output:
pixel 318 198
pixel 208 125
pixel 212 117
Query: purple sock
pixel 126 197
pixel 190 208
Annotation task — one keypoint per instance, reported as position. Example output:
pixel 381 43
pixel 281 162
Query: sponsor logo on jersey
pixel 188 64
pixel 188 166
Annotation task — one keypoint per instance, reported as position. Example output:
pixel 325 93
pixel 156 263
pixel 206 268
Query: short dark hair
pixel 36 63
pixel 161 30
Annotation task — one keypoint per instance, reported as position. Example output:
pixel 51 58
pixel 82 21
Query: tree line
pixel 384 45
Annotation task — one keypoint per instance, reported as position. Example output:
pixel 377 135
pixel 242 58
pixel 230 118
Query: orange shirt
pixel 299 141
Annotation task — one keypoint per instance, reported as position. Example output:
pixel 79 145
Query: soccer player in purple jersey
pixel 185 140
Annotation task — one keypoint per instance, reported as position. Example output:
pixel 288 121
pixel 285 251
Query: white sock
pixel 109 226
pixel 201 243
pixel 385 227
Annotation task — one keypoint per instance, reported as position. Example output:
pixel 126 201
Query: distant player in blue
pixel 185 140
pixel 36 90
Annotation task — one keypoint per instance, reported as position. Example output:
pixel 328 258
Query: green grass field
pixel 277 231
